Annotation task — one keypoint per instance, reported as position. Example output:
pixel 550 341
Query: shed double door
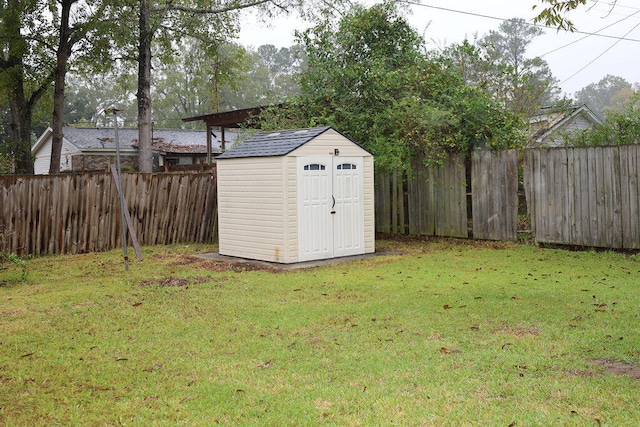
pixel 330 207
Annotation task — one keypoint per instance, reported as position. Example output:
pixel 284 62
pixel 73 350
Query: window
pixel 347 166
pixel 314 167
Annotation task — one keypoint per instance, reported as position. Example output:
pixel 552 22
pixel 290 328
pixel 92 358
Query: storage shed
pixel 296 195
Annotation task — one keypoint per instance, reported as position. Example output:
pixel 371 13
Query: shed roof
pixel 272 144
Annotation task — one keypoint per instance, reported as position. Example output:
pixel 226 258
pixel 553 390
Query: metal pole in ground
pixel 114 111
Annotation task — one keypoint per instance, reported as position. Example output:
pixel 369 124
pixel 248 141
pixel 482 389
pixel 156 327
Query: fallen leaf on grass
pixel 445 350
pixel 28 354
pixel 136 304
pixel 265 365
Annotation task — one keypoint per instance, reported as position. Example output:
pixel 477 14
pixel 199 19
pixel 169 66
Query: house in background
pixel 93 149
pixel 549 127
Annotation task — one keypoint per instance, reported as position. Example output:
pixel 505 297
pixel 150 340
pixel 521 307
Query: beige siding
pixel 251 208
pixel 326 143
pixel 369 210
pixel 258 201
pixel 291 166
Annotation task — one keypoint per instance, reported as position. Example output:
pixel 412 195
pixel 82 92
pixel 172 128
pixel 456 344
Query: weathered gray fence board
pixel 585 196
pixel 434 202
pixel 494 192
pixel 80 213
pixel 437 199
pixel 383 202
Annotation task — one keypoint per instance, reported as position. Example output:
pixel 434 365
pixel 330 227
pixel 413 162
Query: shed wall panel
pixel 251 208
pixel 291 166
pixel 369 208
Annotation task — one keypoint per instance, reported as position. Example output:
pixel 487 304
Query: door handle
pixel 333 211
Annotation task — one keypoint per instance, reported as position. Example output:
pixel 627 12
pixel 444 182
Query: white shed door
pixel 330 207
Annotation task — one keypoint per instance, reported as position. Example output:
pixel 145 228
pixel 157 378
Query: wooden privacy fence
pixel 431 202
pixel 494 194
pixel 584 196
pixel 52 214
pixel 434 202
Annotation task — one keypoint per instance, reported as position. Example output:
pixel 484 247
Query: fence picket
pixel 55 214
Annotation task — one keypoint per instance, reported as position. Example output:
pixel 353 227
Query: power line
pixel 598 57
pixel 480 15
pixel 587 36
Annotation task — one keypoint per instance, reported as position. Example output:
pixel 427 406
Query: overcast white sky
pixel 575 59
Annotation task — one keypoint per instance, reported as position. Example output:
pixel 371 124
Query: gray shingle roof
pixel 168 140
pixel 271 144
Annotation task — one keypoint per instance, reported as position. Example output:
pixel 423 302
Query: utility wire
pixel 598 57
pixel 480 15
pixel 587 36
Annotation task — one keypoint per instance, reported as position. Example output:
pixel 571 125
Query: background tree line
pixel 366 72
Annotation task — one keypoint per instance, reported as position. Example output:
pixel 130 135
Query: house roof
pixel 271 144
pixel 165 140
pixel 551 119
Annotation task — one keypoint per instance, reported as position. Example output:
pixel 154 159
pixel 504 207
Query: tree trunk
pixel 13 68
pixel 64 50
pixel 21 117
pixel 145 159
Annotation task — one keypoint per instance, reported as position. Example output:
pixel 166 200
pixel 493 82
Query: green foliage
pixel 554 15
pixel 524 84
pixel 370 77
pixel 619 128
pixel 610 93
pixel 8 258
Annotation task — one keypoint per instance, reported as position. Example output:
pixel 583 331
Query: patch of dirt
pixel 237 266
pixel 617 367
pixel 520 332
pixel 221 266
pixel 175 281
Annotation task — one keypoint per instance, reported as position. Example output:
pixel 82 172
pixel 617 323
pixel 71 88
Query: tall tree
pixel 26 70
pixel 192 83
pixel 370 77
pixel 70 34
pixel 209 22
pixel 610 93
pixel 524 84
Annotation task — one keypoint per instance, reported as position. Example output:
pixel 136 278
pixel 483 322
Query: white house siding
pixel 43 157
pixel 252 208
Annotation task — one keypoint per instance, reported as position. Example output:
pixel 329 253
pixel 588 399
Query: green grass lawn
pixel 448 333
